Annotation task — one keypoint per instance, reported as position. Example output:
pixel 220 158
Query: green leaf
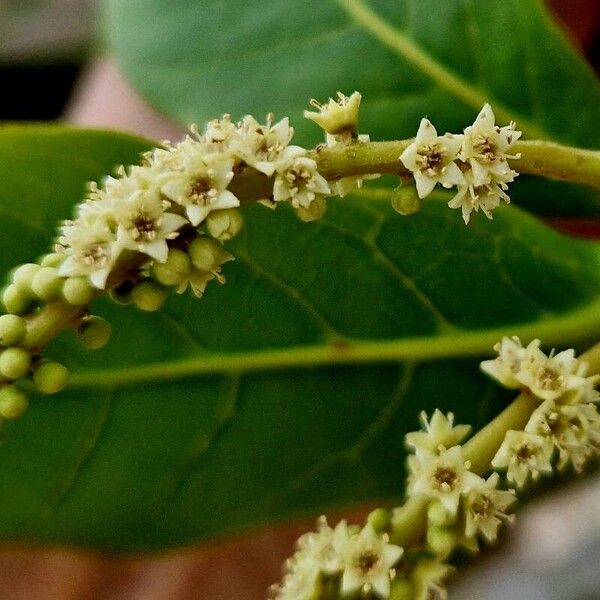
pixel 198 59
pixel 288 390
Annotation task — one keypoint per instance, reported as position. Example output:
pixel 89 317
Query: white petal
pixel 158 250
pixel 424 184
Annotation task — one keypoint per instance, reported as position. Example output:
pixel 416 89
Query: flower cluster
pixel 474 161
pixel 565 429
pixel 347 559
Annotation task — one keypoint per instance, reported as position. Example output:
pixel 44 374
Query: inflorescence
pixel 463 509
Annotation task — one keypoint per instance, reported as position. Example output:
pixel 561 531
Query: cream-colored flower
pixel 368 559
pixel 337 116
pixel 143 225
pixel 524 455
pixel 261 146
pixel 301 582
pixel 444 477
pixel 507 364
pixel 485 508
pixel 437 431
pixel 298 180
pixel 430 158
pixel 485 147
pixel 219 133
pixel 325 544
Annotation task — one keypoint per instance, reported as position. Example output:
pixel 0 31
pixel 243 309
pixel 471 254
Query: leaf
pixel 288 390
pixel 198 59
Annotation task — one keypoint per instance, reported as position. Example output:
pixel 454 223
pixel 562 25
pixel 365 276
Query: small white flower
pixel 485 147
pixel 444 477
pixel 524 455
pixel 199 183
pixel 89 246
pixel 431 159
pixel 219 133
pixel 507 364
pixel 324 545
pixel 470 198
pixel 301 582
pixel 143 225
pixel 368 559
pixel 298 180
pixel 437 431
pixel 337 116
pixel 485 508
pixel 260 146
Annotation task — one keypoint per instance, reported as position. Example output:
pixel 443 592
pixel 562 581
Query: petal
pixel 196 214
pixel 426 132
pixel 424 184
pixel 98 278
pixel 172 222
pixel 453 175
pixel 381 584
pixel 225 199
pixel 158 250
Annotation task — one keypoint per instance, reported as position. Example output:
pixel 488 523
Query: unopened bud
pixel 121 294
pixel 148 296
pixel 50 377
pixel 401 589
pixel 23 275
pixel 94 332
pixel 15 362
pixel 438 515
pixel 405 200
pixel 441 541
pixel 380 519
pixel 13 402
pixel 78 291
pixel 315 211
pixel 12 330
pixel 175 270
pixel 52 260
pixel 208 254
pixel 47 283
pixel 224 224
pixel 16 300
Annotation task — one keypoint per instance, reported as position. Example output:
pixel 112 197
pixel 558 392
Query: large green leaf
pixel 196 59
pixel 286 391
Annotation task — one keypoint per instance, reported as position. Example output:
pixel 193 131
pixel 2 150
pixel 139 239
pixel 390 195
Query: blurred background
pixel 52 66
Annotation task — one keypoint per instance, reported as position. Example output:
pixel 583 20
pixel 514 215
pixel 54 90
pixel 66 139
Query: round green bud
pixel 148 296
pixel 380 519
pixel 16 300
pixel 315 211
pixel 23 275
pixel 208 254
pixel 401 589
pixel 438 515
pixel 175 270
pixel 47 283
pixel 441 541
pixel 94 332
pixel 12 330
pixel 224 224
pixel 54 259
pixel 405 200
pixel 50 377
pixel 15 363
pixel 13 402
pixel 78 291
pixel 121 294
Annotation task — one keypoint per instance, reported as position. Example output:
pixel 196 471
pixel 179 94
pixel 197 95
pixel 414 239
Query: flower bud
pixel 148 296
pixel 441 541
pixel 380 519
pixel 405 200
pixel 13 402
pixel 47 283
pixel 315 211
pixel 401 589
pixel 12 330
pixel 50 377
pixel 121 294
pixel 438 515
pixel 15 362
pixel 54 259
pixel 23 276
pixel 208 254
pixel 16 300
pixel 224 224
pixel 78 291
pixel 175 270
pixel 94 332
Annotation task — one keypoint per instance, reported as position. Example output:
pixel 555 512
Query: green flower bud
pixel 78 291
pixel 15 362
pixel 50 377
pixel 441 541
pixel 315 211
pixel 175 270
pixel 94 332
pixel 121 294
pixel 12 330
pixel 208 254
pixel 13 402
pixel 54 259
pixel 405 200
pixel 401 589
pixel 224 224
pixel 148 296
pixel 380 519
pixel 16 300
pixel 438 515
pixel 47 283
pixel 23 275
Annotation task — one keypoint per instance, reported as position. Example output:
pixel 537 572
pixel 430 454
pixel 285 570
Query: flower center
pixel 445 478
pixel 486 150
pixel 202 191
pixel 143 227
pixel 95 254
pixel 367 561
